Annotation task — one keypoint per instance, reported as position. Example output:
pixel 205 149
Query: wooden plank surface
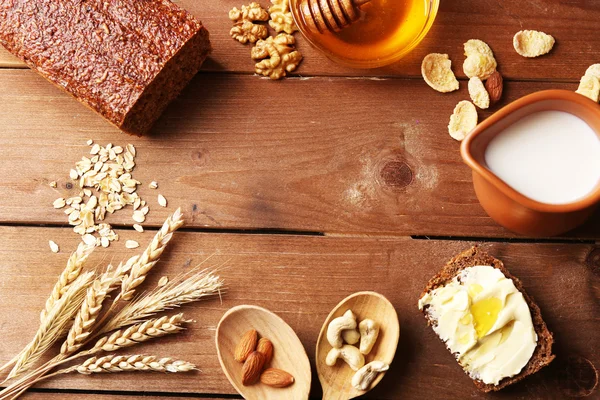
pixel 45 395
pixel 301 278
pixel 330 155
pixel 574 24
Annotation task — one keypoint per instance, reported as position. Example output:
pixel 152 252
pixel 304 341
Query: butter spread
pixel 484 321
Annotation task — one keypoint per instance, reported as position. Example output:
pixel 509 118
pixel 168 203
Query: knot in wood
pixel 577 376
pixel 593 260
pixel 396 174
pixel 199 157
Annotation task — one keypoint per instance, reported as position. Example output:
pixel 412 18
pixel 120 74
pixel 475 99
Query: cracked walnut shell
pixel 281 17
pixel 277 54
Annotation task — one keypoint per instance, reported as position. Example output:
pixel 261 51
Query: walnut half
pixel 245 30
pixel 278 56
pixel 281 17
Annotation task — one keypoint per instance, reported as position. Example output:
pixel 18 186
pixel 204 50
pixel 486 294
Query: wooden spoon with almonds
pixel 337 380
pixel 288 353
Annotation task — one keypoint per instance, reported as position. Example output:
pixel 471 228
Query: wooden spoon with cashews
pixel 337 380
pixel 288 354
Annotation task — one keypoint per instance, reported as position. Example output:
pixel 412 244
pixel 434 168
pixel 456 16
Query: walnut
pixel 278 56
pixel 245 30
pixel 251 12
pixel 281 17
pixel 248 32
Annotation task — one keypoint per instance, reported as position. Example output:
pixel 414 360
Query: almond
pixel 493 85
pixel 266 348
pixel 252 368
pixel 276 378
pixel 246 345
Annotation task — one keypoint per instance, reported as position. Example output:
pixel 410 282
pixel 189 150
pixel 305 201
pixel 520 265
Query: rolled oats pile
pixel 106 185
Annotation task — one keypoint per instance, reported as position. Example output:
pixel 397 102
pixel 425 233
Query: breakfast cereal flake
pixel 463 120
pixel 437 72
pixel 532 43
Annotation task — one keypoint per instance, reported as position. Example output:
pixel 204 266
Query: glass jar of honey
pixel 384 31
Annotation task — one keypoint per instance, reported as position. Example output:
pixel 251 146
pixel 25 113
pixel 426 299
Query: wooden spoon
pixel 288 355
pixel 336 380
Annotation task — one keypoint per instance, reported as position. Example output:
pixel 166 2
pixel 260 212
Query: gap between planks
pixel 284 232
pixel 76 394
pixel 10 67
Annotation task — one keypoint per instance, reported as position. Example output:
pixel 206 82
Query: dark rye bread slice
pixel 125 59
pixel 542 355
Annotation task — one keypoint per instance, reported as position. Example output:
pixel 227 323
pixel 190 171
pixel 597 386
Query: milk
pixel 550 156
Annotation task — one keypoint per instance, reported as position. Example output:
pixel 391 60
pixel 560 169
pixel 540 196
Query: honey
pixel 386 31
pixel 485 313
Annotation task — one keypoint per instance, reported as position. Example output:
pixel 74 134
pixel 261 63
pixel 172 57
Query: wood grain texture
pixel 574 24
pixel 43 395
pixel 301 279
pixel 300 155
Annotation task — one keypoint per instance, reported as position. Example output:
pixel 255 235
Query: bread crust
pixel 125 59
pixel 542 355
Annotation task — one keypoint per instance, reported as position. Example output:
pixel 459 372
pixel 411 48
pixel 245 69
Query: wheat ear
pixel 148 259
pixel 153 328
pixel 54 325
pixel 183 289
pixel 148 330
pixel 85 320
pixel 125 363
pixel 67 277
pixel 69 274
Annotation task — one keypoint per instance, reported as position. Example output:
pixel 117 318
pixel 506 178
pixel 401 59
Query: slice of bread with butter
pixel 487 320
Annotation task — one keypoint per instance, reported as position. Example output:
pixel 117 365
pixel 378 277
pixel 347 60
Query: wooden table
pixel 327 183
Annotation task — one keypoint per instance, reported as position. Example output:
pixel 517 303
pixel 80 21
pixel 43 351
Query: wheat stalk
pixel 68 275
pixel 114 363
pixel 85 320
pixel 66 278
pixel 183 289
pixel 150 329
pixel 148 259
pixel 126 363
pixel 55 323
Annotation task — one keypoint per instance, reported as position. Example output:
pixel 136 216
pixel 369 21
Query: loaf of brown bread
pixel 125 59
pixel 542 354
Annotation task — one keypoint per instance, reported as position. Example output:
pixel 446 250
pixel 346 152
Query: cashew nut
pixel 363 378
pixel 348 353
pixel 335 328
pixel 369 330
pixel 351 336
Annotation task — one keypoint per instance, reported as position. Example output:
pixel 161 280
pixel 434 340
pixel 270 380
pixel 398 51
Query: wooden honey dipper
pixel 330 15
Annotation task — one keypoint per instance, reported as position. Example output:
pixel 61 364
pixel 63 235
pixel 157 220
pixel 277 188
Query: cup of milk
pixel 536 162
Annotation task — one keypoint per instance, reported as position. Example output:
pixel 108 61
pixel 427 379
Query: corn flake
pixel 463 120
pixel 476 46
pixel 479 65
pixel 532 43
pixel 589 86
pixel 437 73
pixel 478 93
pixel 593 70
